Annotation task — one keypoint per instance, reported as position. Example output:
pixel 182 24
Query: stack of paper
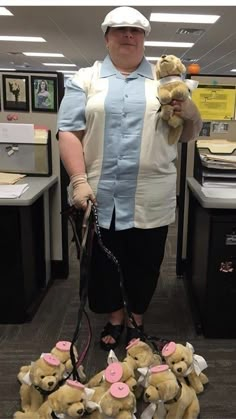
pixel 9 178
pixel 13 191
pixel 219 161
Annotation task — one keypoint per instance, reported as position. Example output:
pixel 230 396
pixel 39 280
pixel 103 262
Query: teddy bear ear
pixel 54 400
pixel 181 67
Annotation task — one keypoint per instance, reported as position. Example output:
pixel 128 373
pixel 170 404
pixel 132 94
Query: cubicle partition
pixel 22 102
pixel 215 97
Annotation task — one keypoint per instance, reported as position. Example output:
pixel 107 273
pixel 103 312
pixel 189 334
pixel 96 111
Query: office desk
pixel 211 262
pixel 25 249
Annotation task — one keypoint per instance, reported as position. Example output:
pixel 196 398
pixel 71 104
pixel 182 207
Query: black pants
pixel 140 253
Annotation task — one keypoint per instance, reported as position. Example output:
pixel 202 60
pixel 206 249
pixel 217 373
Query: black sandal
pixel 113 330
pixel 134 333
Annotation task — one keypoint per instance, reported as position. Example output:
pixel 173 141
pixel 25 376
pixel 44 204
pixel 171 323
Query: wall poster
pixel 215 102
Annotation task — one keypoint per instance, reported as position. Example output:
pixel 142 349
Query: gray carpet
pixel 169 317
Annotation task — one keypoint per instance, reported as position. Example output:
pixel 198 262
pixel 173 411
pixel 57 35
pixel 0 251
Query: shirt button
pixel 126 96
pixel 124 115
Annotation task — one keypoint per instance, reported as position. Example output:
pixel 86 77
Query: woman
pixel 116 153
pixel 43 95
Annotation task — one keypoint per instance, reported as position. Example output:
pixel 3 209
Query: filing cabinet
pixel 211 268
pixel 22 260
pixel 25 257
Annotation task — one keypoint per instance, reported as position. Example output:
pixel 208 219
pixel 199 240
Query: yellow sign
pixel 215 102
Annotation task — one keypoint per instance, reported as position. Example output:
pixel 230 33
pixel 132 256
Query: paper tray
pixel 216 146
pixel 30 159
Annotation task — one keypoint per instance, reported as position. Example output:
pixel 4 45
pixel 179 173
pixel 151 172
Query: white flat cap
pixel 126 16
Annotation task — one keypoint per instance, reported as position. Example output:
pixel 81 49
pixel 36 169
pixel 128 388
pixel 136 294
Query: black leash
pixel 83 244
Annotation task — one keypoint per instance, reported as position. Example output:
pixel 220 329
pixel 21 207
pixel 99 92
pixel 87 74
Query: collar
pixel 177 396
pixel 169 79
pixel 58 416
pixel 46 392
pixel 108 69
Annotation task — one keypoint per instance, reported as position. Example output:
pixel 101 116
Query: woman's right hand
pixel 82 191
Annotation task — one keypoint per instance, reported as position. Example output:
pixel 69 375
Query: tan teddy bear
pixel 140 355
pixel 42 378
pixel 62 351
pixel 167 397
pixel 171 87
pixel 69 401
pixel 118 402
pixel 185 364
pixel 116 371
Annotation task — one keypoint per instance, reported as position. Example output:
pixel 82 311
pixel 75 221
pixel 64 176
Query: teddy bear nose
pixel 147 395
pixel 179 369
pixel 50 383
pixel 163 56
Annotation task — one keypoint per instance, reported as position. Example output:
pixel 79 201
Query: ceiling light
pixel 22 38
pixel 42 54
pixel 152 58
pixel 5 12
pixel 186 18
pixel 234 69
pixel 190 60
pixel 190 31
pixel 59 65
pixel 168 44
pixel 7 69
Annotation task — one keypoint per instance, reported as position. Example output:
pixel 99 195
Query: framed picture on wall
pixel 44 94
pixel 15 93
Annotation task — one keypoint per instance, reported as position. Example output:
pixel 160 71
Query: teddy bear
pixel 43 377
pixel 118 402
pixel 62 351
pixel 171 87
pixel 185 364
pixel 69 401
pixel 167 397
pixel 116 371
pixel 139 354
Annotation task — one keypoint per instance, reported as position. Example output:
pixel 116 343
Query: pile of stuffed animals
pixel 168 384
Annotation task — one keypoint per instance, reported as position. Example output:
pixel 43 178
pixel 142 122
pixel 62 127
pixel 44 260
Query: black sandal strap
pixel 113 330
pixel 134 333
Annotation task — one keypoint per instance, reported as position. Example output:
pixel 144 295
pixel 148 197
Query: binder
pixel 215 163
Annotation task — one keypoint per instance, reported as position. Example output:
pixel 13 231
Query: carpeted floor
pixel 169 317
